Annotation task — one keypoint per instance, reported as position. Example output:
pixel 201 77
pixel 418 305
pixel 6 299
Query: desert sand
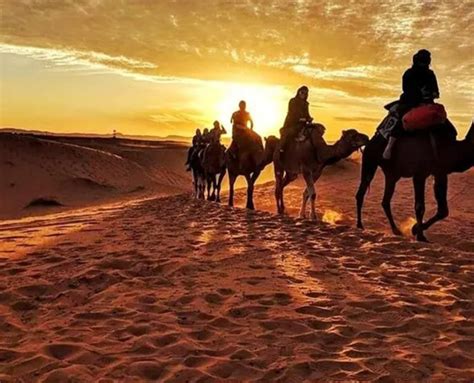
pixel 73 172
pixel 161 287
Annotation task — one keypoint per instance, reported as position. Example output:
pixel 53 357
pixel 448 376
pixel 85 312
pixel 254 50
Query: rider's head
pixel 198 132
pixel 217 124
pixel 422 58
pixel 303 92
pixel 242 105
pixel 205 131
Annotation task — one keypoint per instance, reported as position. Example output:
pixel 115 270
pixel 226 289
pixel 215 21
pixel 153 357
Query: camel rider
pixel 197 142
pixel 206 137
pixel 297 117
pixel 240 121
pixel 217 131
pixel 419 87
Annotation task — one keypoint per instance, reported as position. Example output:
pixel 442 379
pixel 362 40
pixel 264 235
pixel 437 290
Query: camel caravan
pixel 415 140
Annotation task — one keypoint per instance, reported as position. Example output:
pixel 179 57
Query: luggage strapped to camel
pixel 420 118
pixel 424 117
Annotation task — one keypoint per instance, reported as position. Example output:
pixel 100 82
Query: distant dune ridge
pixel 44 133
pixel 77 171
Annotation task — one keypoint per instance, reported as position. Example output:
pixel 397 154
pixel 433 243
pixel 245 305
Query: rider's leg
pixel 190 151
pixel 287 135
pixel 396 132
pixel 233 148
pixel 387 154
pixel 188 160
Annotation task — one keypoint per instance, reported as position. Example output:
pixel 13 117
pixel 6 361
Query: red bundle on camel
pixel 424 117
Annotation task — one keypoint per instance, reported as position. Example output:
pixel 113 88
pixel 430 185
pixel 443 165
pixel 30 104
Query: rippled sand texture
pixel 174 290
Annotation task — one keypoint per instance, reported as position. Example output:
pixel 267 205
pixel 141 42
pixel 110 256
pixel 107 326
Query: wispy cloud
pixel 71 57
pixel 346 51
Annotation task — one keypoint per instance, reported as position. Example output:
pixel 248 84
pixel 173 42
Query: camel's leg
pixel 279 191
pixel 250 187
pixel 367 175
pixel 214 186
pixel 303 203
pixel 195 184
pixel 232 179
pixel 208 184
pixel 219 184
pixel 441 195
pixel 286 181
pixel 308 194
pixel 419 184
pixel 202 187
pixel 313 196
pixel 390 183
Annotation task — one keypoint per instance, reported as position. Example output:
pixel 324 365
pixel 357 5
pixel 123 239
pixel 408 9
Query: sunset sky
pixel 166 67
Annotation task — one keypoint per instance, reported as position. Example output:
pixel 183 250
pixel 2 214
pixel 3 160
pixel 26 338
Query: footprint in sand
pixel 61 350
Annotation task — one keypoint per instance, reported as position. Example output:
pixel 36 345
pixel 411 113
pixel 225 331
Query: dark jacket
pixel 197 140
pixel 419 85
pixel 297 109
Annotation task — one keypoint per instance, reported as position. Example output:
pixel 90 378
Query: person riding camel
pixel 240 121
pixel 297 117
pixel 206 136
pixel 217 131
pixel 419 87
pixel 197 142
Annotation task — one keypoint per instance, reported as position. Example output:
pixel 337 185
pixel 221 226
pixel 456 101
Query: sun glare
pixel 266 104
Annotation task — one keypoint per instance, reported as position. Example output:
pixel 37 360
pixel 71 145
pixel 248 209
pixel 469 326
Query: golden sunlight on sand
pixel 331 216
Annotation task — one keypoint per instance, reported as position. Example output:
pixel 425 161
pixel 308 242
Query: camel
pixel 213 164
pixel 251 159
pixel 198 175
pixel 415 156
pixel 309 157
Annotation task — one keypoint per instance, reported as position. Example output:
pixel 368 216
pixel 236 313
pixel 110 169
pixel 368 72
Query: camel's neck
pixel 336 152
pixel 268 153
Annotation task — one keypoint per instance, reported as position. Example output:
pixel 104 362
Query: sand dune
pixel 172 289
pixel 79 171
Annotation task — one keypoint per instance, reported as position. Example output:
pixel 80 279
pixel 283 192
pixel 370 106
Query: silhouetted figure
pixel 206 136
pixel 197 143
pixel 213 162
pixel 419 87
pixel 309 157
pixel 217 131
pixel 240 121
pixel 251 159
pixel 416 159
pixel 296 118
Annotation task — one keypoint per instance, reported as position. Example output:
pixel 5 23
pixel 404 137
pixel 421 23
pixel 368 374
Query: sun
pixel 267 106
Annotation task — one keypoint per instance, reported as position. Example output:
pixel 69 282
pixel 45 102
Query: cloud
pixel 71 57
pixel 357 48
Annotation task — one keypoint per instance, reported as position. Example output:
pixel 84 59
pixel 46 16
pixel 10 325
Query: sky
pixel 167 67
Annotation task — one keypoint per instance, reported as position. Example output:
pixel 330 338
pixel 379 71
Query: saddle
pixel 305 132
pixel 422 119
pixel 248 138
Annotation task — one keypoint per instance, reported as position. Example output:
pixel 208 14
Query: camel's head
pixel 353 139
pixel 271 143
